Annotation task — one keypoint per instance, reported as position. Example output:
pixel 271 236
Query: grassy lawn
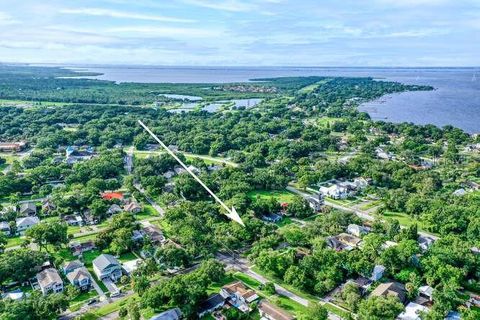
pixel 280 195
pixel 215 287
pixel 129 256
pixel 82 298
pixel 114 306
pixel 14 241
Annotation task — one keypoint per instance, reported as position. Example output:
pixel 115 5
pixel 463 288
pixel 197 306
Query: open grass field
pixel 280 195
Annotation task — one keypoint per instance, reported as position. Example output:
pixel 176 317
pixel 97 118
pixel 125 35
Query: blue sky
pixel 242 32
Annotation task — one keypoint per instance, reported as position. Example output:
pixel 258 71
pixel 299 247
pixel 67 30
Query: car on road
pixel 92 301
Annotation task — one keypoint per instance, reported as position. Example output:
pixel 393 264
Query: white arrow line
pixel 231 213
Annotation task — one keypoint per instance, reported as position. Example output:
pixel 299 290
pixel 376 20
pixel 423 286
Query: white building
pixel 412 312
pixel 377 273
pixel 25 223
pixel 49 281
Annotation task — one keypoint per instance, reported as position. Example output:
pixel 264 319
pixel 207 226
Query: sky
pixel 242 32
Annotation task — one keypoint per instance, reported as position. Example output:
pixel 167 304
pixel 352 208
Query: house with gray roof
pixel 27 209
pixel 5 228
pixel 49 281
pixel 107 266
pixel 172 314
pixel 25 223
pixel 70 266
pixel 80 278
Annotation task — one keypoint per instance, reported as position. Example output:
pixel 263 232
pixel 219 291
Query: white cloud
pixel 122 14
pixel 223 5
pixel 6 19
pixel 170 32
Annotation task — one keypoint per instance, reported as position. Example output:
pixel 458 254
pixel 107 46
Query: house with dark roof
pixel 214 302
pixel 154 233
pixel 107 266
pixel 49 281
pixel 271 312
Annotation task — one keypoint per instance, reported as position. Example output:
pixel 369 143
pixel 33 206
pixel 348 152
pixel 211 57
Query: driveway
pixel 111 286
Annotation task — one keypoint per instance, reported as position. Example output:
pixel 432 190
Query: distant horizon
pixel 87 64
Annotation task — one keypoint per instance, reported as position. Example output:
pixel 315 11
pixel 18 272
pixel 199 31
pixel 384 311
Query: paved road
pixel 243 266
pixel 152 202
pixel 362 214
pixel 129 160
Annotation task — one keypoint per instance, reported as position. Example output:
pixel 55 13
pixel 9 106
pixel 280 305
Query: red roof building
pixel 112 195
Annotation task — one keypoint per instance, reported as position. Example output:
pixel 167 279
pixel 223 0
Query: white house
pixel 107 266
pixel 49 281
pixel 412 312
pixel 357 230
pixel 26 223
pixel 335 191
pixel 80 278
pixel 239 295
pixel 5 228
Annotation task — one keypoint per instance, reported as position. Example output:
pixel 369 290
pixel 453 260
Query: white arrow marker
pixel 231 213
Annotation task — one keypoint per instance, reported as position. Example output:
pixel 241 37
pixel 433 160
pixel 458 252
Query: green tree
pixel 379 308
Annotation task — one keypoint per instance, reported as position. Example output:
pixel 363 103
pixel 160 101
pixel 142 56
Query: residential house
pixel 316 202
pixel 238 295
pixel 74 154
pixel 193 169
pixel 138 235
pixel 80 278
pixel 377 272
pixel 384 155
pixel 459 192
pixel 171 314
pixel 453 315
pixel 133 207
pixel 348 240
pixel 89 218
pixel 114 209
pixel 412 312
pixel 78 248
pixel 48 206
pixel 395 289
pixel 49 281
pixel 425 296
pixel 272 217
pixel 335 191
pixel 169 174
pixel 179 170
pixel 73 220
pixel 14 295
pixel 131 266
pixel 362 283
pixel 425 242
pixel 271 312
pixel 112 196
pixel 5 228
pixel 154 233
pixel 12 146
pixel 107 266
pixel 214 302
pixel 27 209
pixel 25 223
pixel 356 230
pixel 70 266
